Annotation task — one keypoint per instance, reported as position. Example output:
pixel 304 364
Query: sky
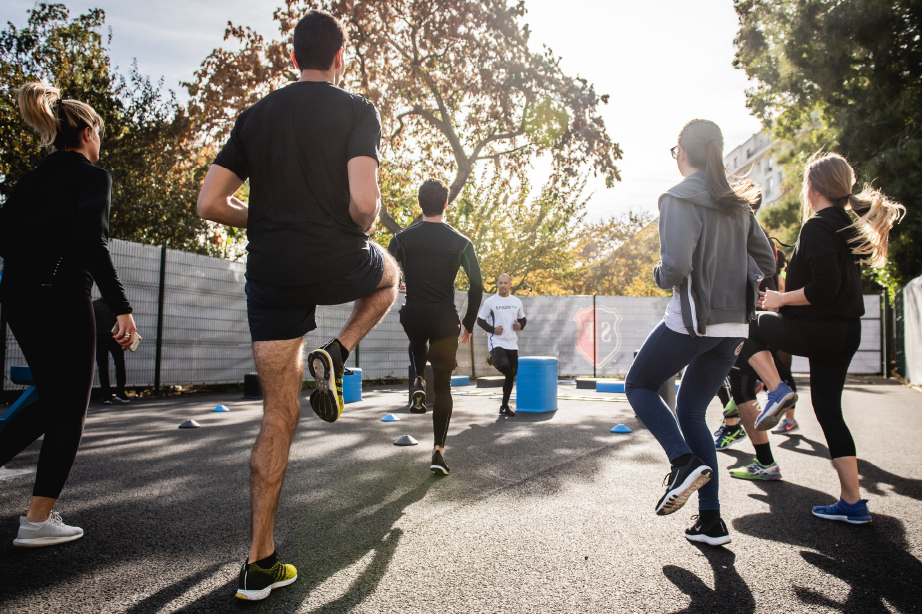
pixel 663 63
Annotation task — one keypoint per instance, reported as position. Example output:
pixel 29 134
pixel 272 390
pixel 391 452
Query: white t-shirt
pixel 675 323
pixel 502 311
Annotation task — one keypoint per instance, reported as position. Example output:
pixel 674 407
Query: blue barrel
pixel 536 384
pixel 460 380
pixel 352 387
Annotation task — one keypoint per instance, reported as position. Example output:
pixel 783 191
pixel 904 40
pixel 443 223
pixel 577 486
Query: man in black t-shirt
pixel 310 151
pixel 430 253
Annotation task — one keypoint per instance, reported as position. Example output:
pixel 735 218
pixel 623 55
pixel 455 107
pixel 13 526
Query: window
pixel 770 188
pixel 759 168
pixel 735 163
pixel 771 164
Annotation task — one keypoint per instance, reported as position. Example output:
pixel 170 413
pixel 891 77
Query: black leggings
pixel 433 331
pixel 510 372
pixel 829 346
pixel 104 347
pixel 57 335
pixel 743 377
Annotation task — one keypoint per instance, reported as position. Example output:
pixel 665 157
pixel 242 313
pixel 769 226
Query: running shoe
pixel 757 471
pixel 856 513
pixel 731 435
pixel 786 427
pixel 121 399
pixel 326 367
pixel 52 531
pixel 419 396
pixel 257 582
pixel 505 410
pixel 731 410
pixel 439 466
pixel 714 535
pixel 779 401
pixel 680 483
pixel 720 429
pixel 108 401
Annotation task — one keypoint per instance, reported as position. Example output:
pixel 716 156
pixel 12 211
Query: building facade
pixel 757 159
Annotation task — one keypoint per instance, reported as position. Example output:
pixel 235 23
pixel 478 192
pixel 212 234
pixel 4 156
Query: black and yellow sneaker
pixel 257 580
pixel 326 367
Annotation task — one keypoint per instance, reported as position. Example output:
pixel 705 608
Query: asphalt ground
pixel 541 513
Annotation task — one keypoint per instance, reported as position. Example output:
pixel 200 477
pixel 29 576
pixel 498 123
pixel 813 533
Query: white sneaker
pixel 52 531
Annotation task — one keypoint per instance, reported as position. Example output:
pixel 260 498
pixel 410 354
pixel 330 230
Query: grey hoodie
pixel 705 255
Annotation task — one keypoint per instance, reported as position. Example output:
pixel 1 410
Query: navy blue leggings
pixel 708 360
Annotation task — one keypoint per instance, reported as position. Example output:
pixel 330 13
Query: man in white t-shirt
pixel 502 316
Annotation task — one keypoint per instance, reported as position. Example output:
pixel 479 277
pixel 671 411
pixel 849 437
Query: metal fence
pixel 909 331
pixel 203 337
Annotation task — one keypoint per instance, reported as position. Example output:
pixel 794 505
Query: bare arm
pixel 216 201
pixel 772 301
pixel 364 196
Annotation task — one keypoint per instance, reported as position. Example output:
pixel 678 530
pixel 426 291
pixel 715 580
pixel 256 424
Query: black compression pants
pixel 104 347
pixel 57 336
pixel 830 346
pixel 433 330
pixel 743 377
pixel 510 372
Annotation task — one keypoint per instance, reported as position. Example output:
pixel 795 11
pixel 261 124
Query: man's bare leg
pixel 280 366
pixel 763 364
pixel 749 411
pixel 370 310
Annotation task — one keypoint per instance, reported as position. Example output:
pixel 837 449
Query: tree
pixel 616 257
pixel 454 80
pixel 854 69
pixel 146 145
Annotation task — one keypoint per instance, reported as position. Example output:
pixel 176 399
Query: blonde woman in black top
pixel 54 242
pixel 819 314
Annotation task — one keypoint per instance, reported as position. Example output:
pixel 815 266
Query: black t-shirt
pixel 825 267
pixel 430 254
pixel 294 146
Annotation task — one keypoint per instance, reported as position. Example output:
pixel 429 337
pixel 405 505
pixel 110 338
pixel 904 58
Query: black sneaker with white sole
pixel 439 466
pixel 257 581
pixel 326 367
pixel 418 404
pixel 680 483
pixel 714 535
pixel 505 410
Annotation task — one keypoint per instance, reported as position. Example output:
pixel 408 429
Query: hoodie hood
pixel 694 189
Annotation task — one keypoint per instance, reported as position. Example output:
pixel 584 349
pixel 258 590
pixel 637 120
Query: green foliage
pixel 846 77
pixel 145 147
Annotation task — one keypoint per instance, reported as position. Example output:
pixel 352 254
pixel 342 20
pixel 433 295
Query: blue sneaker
pixel 853 513
pixel 779 401
pixel 730 435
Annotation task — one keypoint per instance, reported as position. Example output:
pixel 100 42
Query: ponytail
pixel 833 177
pixel 58 122
pixel 876 216
pixel 703 142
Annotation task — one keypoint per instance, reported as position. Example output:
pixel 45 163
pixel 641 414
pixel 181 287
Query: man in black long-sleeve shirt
pixel 430 253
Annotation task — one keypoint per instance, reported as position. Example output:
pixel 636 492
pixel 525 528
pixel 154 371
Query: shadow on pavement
pixel 874 560
pixel 730 592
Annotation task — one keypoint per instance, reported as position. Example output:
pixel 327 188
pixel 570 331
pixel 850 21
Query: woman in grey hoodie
pixel 712 250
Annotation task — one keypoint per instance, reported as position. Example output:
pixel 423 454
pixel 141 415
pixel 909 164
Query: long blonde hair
pixel 58 122
pixel 833 177
pixel 703 143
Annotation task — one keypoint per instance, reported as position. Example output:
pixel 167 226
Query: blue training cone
pixel 390 418
pixel 220 408
pixel 620 428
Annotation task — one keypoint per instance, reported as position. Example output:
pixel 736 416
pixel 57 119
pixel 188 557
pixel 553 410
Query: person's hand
pixel 498 330
pixel 516 326
pixel 126 330
pixel 465 335
pixel 771 300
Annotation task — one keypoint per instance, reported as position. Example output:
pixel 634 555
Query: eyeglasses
pixel 675 152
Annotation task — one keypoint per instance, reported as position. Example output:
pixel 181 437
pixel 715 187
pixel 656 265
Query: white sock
pixel 37 524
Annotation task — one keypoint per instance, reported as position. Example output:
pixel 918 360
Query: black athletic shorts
pixel 279 313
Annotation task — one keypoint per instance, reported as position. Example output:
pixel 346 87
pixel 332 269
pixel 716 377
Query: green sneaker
pixel 326 367
pixel 729 436
pixel 257 582
pixel 757 471
pixel 731 410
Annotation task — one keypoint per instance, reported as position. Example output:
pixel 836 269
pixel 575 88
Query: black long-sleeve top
pixel 430 254
pixel 825 267
pixel 54 232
